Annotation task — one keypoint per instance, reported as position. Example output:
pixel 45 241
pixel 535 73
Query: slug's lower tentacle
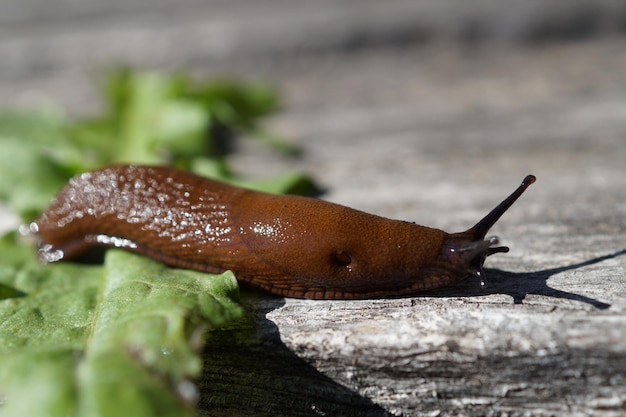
pixel 471 250
pixel 469 255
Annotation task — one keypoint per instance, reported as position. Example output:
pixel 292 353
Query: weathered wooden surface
pixel 400 115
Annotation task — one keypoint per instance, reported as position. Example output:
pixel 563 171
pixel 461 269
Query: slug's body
pixel 288 245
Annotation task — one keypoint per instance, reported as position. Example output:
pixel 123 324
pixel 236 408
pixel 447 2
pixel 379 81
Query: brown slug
pixel 288 245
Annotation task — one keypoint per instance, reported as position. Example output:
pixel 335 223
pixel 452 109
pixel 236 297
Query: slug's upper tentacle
pixel 480 229
pixel 469 249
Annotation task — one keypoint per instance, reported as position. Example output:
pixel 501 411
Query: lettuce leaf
pixel 119 339
pixel 122 339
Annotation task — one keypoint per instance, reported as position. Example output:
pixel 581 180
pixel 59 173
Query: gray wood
pixel 442 145
pixel 410 111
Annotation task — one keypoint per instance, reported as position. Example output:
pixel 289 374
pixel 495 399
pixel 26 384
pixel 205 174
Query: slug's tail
pixel 470 248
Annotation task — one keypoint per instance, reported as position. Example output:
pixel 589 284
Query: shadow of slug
pixel 519 284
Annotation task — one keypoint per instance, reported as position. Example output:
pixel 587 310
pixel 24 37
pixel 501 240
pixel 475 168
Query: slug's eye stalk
pixel 481 228
pixel 469 249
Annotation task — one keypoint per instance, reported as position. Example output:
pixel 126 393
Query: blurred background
pixel 51 49
pixel 385 98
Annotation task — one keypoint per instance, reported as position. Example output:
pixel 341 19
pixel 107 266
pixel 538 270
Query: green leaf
pixel 287 183
pixel 39 383
pixel 149 118
pixel 106 341
pixel 118 339
pixel 141 109
pixel 153 118
pixel 236 103
pixel 9 292
pixel 34 154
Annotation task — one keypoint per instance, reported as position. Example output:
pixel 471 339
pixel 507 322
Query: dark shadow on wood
pixel 519 284
pixel 248 371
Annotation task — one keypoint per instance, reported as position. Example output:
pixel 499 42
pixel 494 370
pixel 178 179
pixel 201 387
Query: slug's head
pixel 466 252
